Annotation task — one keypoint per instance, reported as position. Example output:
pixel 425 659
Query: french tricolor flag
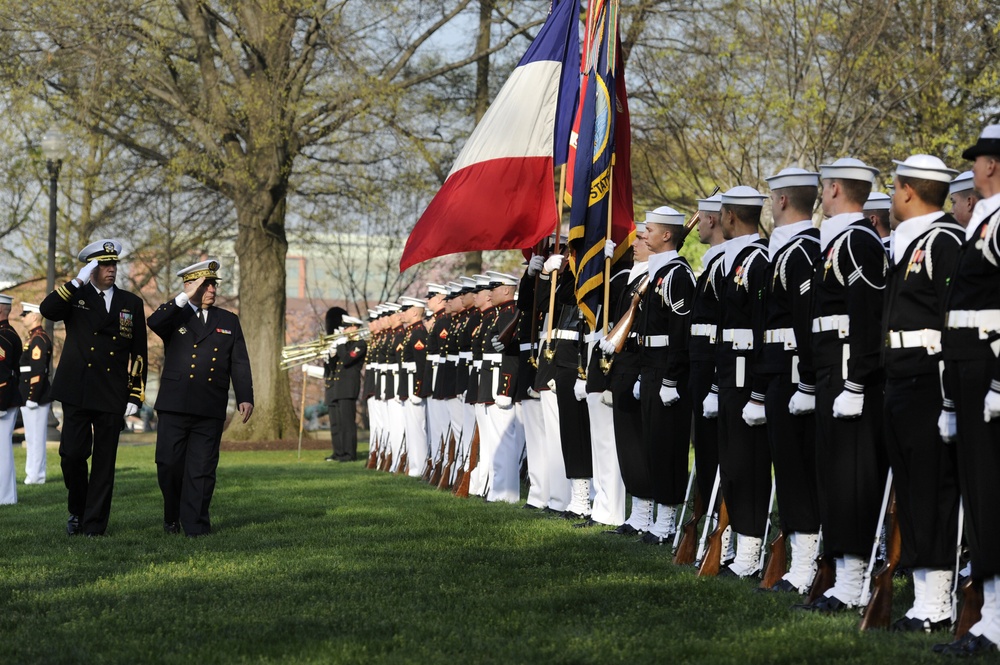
pixel 500 191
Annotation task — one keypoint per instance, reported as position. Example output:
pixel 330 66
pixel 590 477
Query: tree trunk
pixel 261 247
pixel 474 260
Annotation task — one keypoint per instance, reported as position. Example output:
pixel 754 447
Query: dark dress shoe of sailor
pixel 625 529
pixel 914 625
pixel 587 524
pixel 974 647
pixel 552 512
pixel 171 527
pixel 825 604
pixel 726 571
pixel 95 534
pixel 528 506
pixel 73 525
pixel 957 644
pixel 650 538
pixel 783 585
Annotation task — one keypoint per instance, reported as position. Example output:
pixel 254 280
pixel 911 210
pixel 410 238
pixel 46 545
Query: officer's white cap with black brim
pixel 963 182
pixel 6 300
pixel 793 176
pixel 29 308
pixel 988 144
pixel 454 289
pixel 406 302
pixel 208 269
pixel 712 204
pixel 101 251
pixel 743 195
pixel 500 279
pixel 468 284
pixel 372 314
pixel 877 201
pixel 436 290
pixel 924 167
pixel 351 320
pixel 482 282
pixel 848 168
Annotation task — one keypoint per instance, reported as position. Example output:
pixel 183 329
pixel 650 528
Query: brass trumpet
pixel 303 352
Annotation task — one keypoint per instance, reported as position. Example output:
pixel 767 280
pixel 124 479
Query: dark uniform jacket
pixel 705 311
pixel 35 367
pixel 498 375
pixel 103 362
pixel 664 327
pixel 468 348
pixel 412 359
pixel 597 380
pixel 342 372
pixel 528 335
pixel 738 334
pixel 370 378
pixel 437 340
pixel 10 355
pixel 199 359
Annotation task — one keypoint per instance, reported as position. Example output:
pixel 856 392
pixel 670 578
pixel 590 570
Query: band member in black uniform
pixel 203 350
pixel 963 196
pixel 10 400
pixel 101 379
pixel 744 456
pixel 35 391
pixel 848 289
pixel 342 375
pixel 785 359
pixel 333 321
pixel 971 336
pixel 926 247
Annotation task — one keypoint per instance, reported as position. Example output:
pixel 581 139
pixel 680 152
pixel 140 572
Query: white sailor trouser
pixel 456 409
pixel 506 477
pixel 416 437
pixel 468 429
pixel 560 487
pixel 36 425
pixel 481 475
pixel 530 415
pixel 374 422
pixel 395 429
pixel 438 419
pixel 8 477
pixel 609 488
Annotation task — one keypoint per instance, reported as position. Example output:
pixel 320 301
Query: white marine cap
pixel 27 308
pixel 743 195
pixel 712 204
pixel 878 201
pixel 454 288
pixel 406 302
pixel 501 279
pixel 988 144
pixel 848 168
pixel 390 307
pixel 6 300
pixel 468 283
pixel 664 215
pixel 482 282
pixel 351 320
pixel 962 182
pixel 208 269
pixel 436 289
pixel 373 314
pixel 108 249
pixel 793 177
pixel 925 167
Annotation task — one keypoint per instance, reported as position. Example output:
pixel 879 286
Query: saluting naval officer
pixel 203 349
pixel 35 391
pixel 101 379
pixel 10 400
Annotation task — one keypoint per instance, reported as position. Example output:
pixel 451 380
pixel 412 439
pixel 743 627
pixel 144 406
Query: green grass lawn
pixel 314 562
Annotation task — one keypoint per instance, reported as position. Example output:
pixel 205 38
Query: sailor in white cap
pixel 848 289
pixel 963 196
pixel 410 389
pixel 35 391
pixel 878 210
pixel 10 400
pixel 972 328
pixel 785 359
pixel 744 456
pixel 101 378
pixel 204 351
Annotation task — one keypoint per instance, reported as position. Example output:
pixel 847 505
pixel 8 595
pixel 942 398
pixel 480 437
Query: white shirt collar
pixel 833 226
pixel 110 290
pixel 782 235
pixel 983 209
pixel 906 232
pixel 638 268
pixel 733 248
pixel 657 261
pixel 711 253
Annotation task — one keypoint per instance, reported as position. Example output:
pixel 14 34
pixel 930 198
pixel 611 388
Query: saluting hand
pixel 246 408
pixel 84 275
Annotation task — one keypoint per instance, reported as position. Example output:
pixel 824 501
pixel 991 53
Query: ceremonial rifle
pixel 710 508
pixel 372 452
pixel 687 497
pixel 972 607
pixel 621 331
pixel 401 466
pixel 878 607
pixel 444 482
pixel 428 470
pixel 462 491
pixel 687 546
pixel 439 464
pixel 826 574
pixel 713 554
pixel 777 562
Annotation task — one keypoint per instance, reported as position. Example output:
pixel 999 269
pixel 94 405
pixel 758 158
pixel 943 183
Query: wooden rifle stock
pixel 435 478
pixel 878 611
pixel 777 562
pixel 462 491
pixel 387 462
pixel 972 607
pixel 688 546
pixel 445 481
pixel 425 475
pixel 506 335
pixel 712 560
pixel 826 575
pixel 403 461
pixel 372 453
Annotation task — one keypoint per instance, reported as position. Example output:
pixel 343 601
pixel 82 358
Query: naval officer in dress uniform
pixel 101 379
pixel 10 400
pixel 342 375
pixel 34 368
pixel 203 349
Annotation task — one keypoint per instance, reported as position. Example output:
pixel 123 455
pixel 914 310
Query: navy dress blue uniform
pixel 200 360
pixel 342 377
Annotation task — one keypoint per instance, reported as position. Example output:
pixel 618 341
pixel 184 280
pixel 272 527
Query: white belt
pixel 478 364
pixel 492 357
pixel 912 339
pixel 986 320
pixel 465 355
pixel 409 367
pixel 435 358
pixel 784 336
pixel 839 322
pixel 452 359
pixel 571 335
pixel 703 330
pixel 370 366
pixel 528 346
pixel 25 368
pixel 654 341
pixel 381 367
pixel 590 338
pixel 741 338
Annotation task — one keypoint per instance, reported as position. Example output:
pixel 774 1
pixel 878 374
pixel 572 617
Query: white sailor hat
pixel 482 282
pixel 792 177
pixel 743 195
pixel 351 320
pixel 712 204
pixel 468 284
pixel 878 201
pixel 500 279
pixel 436 289
pixel 208 269
pixel 664 215
pixel 925 167
pixel 988 144
pixel 640 227
pixel 961 183
pixel 406 302
pixel 101 250
pixel 28 308
pixel 848 168
pixel 6 300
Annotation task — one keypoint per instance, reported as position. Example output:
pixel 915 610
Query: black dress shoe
pixel 528 506
pixel 974 647
pixel 73 525
pixel 95 534
pixel 625 529
pixel 570 515
pixel 825 604
pixel 784 585
pixel 914 625
pixel 650 538
pixel 171 527
pixel 957 644
pixel 552 511
pixel 587 524
pixel 726 571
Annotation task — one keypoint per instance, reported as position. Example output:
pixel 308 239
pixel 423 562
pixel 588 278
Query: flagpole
pixel 553 277
pixel 607 259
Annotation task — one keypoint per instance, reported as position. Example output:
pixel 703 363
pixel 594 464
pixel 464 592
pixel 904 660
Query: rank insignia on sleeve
pixel 419 346
pixel 353 353
pixel 3 354
pixel 444 333
pixel 36 353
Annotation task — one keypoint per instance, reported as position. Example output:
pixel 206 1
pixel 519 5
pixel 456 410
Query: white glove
pixel 850 405
pixel 635 388
pixel 609 248
pixel 753 414
pixel 2 413
pixel 607 399
pixel 947 425
pixel 552 385
pixel 535 265
pixel 710 407
pixel 83 276
pixel 580 390
pixel 504 402
pixel 991 406
pixel 497 344
pixel 607 346
pixel 553 263
pixel 131 409
pixel 533 394
pixel 182 299
pixel 801 403
pixel 416 399
pixel 669 395
pixel 31 404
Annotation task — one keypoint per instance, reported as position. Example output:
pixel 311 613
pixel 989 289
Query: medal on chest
pixel 915 264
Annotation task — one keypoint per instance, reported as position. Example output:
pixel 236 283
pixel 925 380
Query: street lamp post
pixel 54 149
